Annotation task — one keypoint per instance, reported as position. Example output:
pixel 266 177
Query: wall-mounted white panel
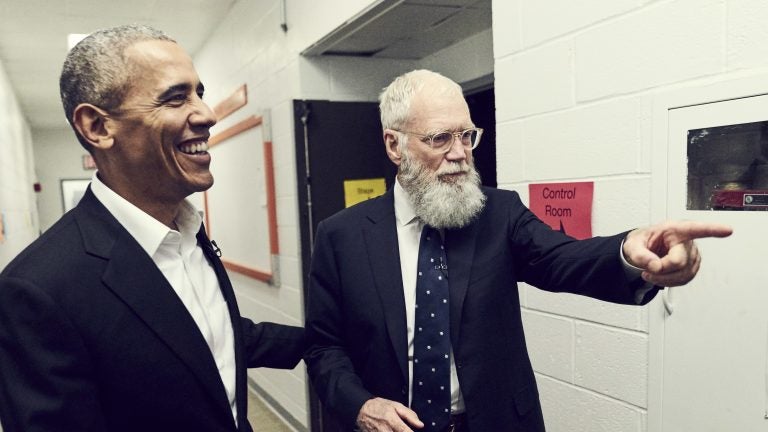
pixel 715 331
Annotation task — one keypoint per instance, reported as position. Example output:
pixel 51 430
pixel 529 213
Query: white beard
pixel 438 203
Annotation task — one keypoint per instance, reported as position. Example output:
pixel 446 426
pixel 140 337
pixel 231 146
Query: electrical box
pixel 709 341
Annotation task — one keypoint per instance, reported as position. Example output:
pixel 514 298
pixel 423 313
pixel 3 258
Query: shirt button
pixel 404 390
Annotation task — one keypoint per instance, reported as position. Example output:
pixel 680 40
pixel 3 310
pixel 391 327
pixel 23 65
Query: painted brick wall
pixel 58 155
pixel 575 86
pixel 18 204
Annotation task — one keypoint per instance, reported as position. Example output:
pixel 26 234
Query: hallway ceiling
pixel 33 35
pixel 33 40
pixel 406 29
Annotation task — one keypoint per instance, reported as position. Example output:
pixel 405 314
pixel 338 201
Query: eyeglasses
pixel 443 141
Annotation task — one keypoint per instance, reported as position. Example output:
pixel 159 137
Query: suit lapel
pixel 382 248
pixel 132 276
pixel 460 252
pixel 241 396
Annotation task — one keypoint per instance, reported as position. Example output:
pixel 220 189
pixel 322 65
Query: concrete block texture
pixel 663 43
pixel 568 408
pixel 507 27
pixel 616 206
pixel 611 361
pixel 550 344
pixel 590 141
pixel 535 81
pixel 584 308
pixel 18 203
pixel 746 34
pixel 510 153
pixel 545 20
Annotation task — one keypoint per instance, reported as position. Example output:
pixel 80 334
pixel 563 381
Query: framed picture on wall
pixel 72 190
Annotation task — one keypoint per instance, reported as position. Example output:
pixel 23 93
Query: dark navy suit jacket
pixel 94 338
pixel 356 324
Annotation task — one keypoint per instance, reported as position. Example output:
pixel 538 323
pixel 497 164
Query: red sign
pixel 566 207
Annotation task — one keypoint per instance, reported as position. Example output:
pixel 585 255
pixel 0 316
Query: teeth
pixel 194 148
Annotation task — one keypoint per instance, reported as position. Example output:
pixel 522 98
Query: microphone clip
pixel 216 249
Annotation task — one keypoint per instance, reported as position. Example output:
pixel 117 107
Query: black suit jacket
pixel 93 338
pixel 356 324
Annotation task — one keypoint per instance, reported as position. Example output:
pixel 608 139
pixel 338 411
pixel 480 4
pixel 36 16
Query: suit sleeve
pixel 46 376
pixel 553 261
pixel 272 345
pixel 328 364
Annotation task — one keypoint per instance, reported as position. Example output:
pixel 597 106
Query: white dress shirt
pixel 409 228
pixel 182 262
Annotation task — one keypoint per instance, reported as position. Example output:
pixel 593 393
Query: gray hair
pixel 395 99
pixel 96 70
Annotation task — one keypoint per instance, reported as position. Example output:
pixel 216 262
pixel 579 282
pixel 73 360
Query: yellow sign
pixel 356 191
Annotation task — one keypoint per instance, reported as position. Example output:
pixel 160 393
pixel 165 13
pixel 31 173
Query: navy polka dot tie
pixel 431 342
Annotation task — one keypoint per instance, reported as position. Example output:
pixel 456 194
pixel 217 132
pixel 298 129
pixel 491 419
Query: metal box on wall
pixel 708 341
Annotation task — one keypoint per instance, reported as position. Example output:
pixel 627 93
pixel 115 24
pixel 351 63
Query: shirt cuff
pixel 633 273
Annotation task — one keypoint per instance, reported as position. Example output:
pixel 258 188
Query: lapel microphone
pixel 216 249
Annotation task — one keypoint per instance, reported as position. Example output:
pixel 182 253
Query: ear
pixel 392 144
pixel 91 123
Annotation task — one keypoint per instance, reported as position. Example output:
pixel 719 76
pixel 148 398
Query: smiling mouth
pixel 194 148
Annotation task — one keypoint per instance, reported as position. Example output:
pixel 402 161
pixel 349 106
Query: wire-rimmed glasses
pixel 442 141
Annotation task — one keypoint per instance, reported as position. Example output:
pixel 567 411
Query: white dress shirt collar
pixel 148 231
pixel 404 213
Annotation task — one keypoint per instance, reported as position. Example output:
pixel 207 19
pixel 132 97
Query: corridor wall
pixel 18 203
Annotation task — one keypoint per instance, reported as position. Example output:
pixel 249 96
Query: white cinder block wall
pixel 58 155
pixel 575 85
pixel 18 204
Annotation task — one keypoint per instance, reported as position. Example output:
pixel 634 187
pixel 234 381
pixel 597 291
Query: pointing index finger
pixel 694 229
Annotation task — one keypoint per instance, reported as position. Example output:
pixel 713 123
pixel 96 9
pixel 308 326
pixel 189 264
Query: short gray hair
pixel 96 72
pixel 395 99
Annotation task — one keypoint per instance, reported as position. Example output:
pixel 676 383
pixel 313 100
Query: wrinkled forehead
pixel 437 107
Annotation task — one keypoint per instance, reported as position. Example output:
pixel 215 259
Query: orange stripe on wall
pixel 269 177
pixel 269 182
pixel 232 103
pixel 235 129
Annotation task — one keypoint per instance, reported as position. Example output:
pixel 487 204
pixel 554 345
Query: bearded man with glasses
pixel 413 316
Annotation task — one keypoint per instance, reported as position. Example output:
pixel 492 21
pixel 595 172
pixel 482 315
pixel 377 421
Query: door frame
pixel 722 89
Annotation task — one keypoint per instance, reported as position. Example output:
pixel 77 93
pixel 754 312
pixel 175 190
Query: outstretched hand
pixel 667 253
pixel 384 415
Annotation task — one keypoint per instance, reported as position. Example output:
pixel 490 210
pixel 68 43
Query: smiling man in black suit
pixel 121 317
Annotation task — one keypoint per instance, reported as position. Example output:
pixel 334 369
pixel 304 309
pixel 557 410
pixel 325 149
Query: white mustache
pixel 454 168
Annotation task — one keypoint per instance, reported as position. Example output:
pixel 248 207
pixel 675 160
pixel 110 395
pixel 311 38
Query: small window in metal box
pixel 728 167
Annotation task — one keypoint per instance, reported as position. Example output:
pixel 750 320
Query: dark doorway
pixel 482 108
pixel 337 141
